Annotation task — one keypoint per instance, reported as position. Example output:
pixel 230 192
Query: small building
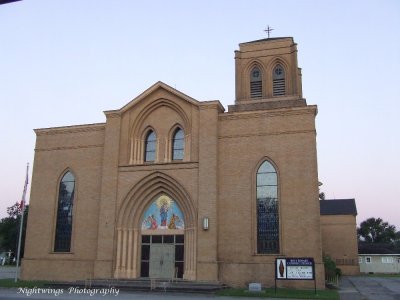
pixel 378 258
pixel 339 233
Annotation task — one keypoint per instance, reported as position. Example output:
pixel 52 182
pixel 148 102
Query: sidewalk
pixel 348 291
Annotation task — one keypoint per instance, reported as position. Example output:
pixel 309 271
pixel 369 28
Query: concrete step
pixel 146 284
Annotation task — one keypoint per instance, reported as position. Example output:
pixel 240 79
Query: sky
pixel 65 62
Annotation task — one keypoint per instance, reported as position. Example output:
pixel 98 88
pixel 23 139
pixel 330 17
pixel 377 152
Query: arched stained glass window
pixel 66 193
pixel 278 80
pixel 178 145
pixel 267 209
pixel 150 146
pixel 255 83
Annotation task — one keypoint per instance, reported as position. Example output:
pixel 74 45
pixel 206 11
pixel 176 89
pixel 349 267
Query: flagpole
pixel 22 221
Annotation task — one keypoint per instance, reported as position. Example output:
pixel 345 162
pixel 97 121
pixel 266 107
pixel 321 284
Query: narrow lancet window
pixel 255 83
pixel 150 146
pixel 66 193
pixel 178 145
pixel 278 84
pixel 267 209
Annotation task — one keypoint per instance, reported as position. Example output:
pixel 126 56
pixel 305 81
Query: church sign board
pixel 301 268
pixel 295 268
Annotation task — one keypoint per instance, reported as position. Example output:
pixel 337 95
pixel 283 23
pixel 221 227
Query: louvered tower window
pixel 278 83
pixel 255 83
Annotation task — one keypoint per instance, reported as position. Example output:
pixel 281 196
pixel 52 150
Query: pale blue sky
pixel 65 62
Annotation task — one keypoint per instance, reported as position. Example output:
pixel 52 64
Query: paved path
pixel 369 288
pixel 15 294
pixel 347 290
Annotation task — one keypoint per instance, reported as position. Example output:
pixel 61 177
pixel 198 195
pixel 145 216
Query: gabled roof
pixel 161 85
pixel 338 207
pixel 378 248
pixel 158 85
pixel 8 1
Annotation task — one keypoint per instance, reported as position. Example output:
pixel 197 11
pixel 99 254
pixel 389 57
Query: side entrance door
pixel 162 261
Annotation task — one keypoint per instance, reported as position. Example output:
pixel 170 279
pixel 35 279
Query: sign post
pixel 295 268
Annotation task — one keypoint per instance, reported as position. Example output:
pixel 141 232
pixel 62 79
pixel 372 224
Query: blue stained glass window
pixel 178 145
pixel 66 193
pixel 150 147
pixel 267 209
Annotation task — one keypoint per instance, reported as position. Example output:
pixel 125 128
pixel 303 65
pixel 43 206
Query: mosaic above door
pixel 164 214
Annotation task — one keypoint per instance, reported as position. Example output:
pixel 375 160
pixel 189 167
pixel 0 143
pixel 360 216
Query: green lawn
pixel 282 293
pixel 9 283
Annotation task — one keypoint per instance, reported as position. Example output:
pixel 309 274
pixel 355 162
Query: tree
pixel 376 231
pixel 397 241
pixel 9 229
pixel 14 211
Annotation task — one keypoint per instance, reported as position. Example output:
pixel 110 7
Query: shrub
pixel 330 267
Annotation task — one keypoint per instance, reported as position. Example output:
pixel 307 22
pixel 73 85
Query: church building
pixel 172 187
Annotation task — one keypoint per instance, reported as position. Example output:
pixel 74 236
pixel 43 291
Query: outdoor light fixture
pixel 205 223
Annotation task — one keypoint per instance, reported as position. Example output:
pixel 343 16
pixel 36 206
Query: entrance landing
pixel 147 284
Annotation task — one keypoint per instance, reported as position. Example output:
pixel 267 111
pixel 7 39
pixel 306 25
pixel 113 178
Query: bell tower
pixel 267 75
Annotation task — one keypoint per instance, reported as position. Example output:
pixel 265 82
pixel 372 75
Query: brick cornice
pixel 212 105
pixel 69 147
pixel 112 114
pixel 312 109
pixel 70 129
pixel 158 166
pixel 266 133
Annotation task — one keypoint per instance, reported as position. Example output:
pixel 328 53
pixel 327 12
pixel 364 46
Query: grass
pixel 9 283
pixel 282 293
pixel 267 293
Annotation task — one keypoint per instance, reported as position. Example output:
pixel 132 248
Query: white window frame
pixel 368 259
pixel 360 259
pixel 387 260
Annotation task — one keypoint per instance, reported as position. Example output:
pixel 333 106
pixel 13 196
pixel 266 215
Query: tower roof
pixel 268 40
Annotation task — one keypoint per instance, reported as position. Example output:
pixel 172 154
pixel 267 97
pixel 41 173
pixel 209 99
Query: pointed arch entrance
pixel 163 239
pixel 156 221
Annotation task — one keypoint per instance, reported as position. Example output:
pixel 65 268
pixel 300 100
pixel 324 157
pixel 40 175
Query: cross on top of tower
pixel 268 30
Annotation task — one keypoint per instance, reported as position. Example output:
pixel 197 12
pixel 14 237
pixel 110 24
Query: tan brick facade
pixel 216 179
pixel 339 242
